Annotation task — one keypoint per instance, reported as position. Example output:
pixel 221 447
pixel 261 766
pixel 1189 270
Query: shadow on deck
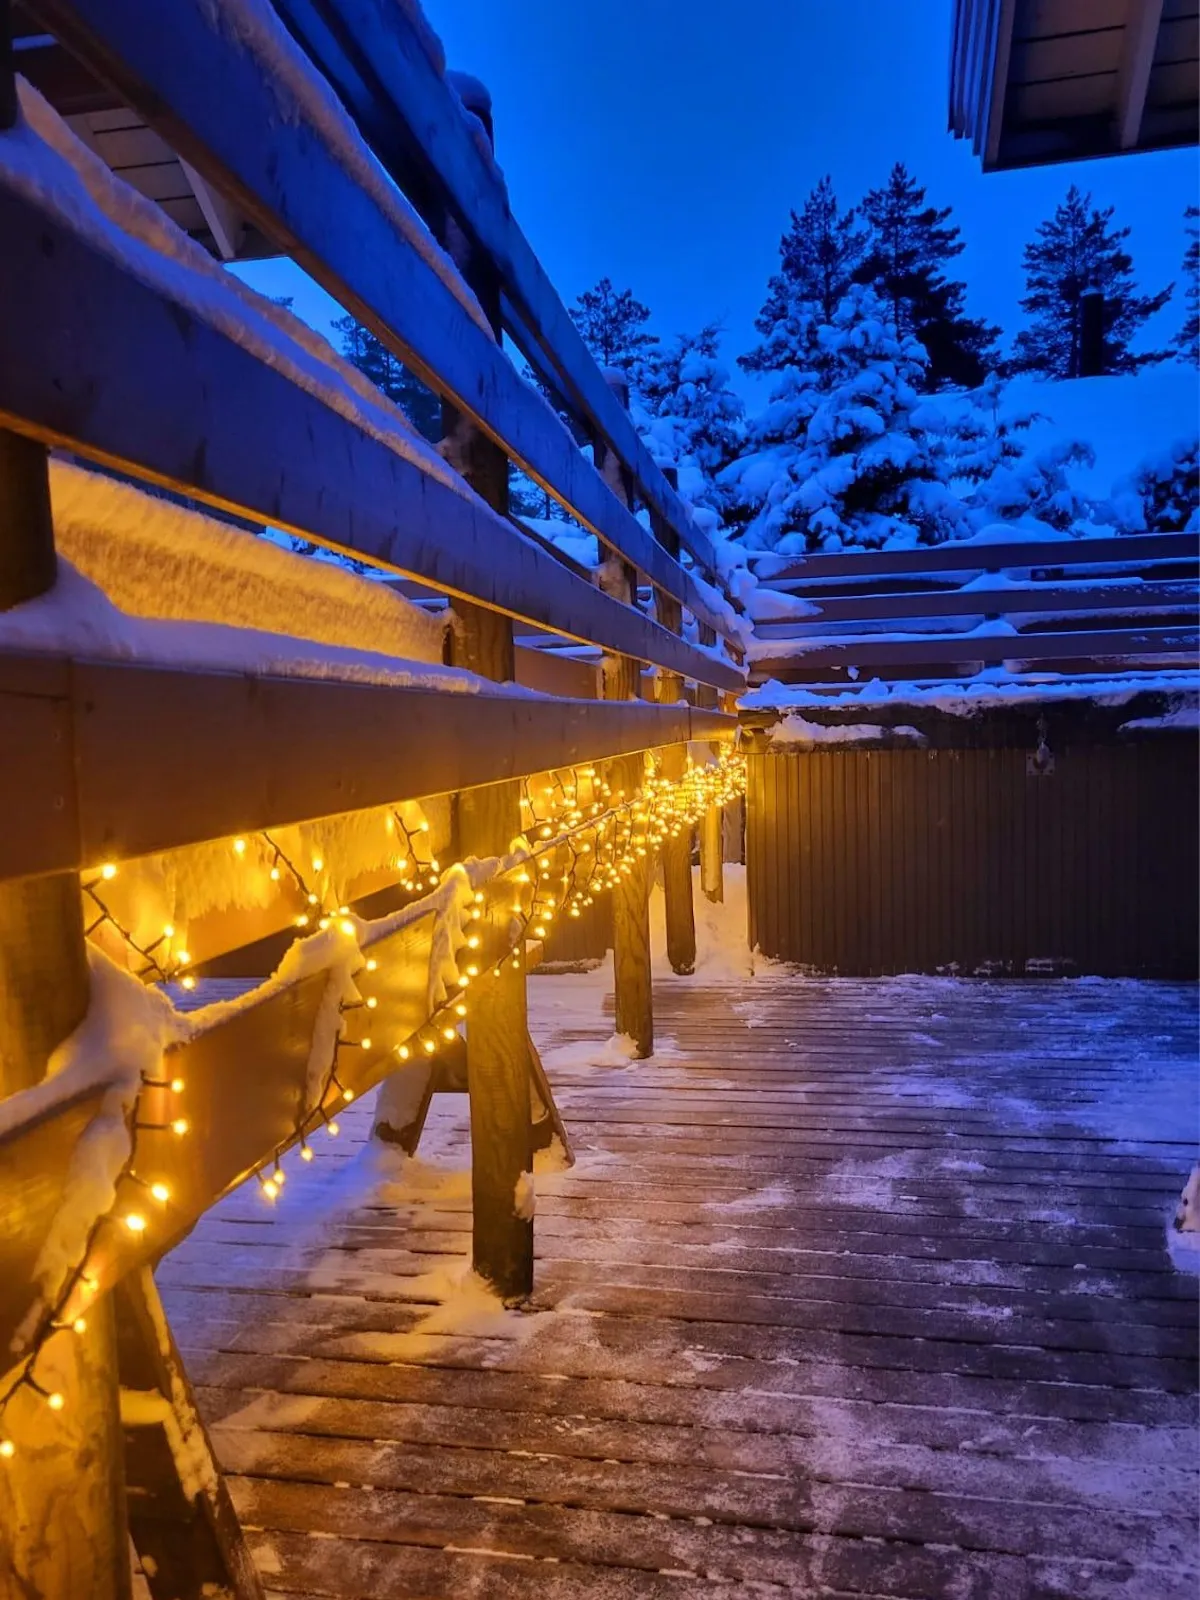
pixel 857 1288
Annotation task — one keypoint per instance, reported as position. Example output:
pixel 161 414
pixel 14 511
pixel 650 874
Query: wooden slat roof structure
pixel 135 152
pixel 1039 81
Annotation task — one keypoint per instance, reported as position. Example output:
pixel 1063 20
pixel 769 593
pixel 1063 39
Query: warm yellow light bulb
pixel 177 1085
pixel 364 1044
pixel 180 1125
pixel 372 964
pixel 239 846
pixel 135 1222
pixel 403 1052
pixel 347 926
pixel 80 1325
pixel 160 1192
pixel 318 864
pixel 182 957
pixel 108 871
pixel 7 1449
pixel 55 1401
pixel 168 930
pixel 448 1034
pixel 333 1128
pixel 270 1188
pixel 428 1046
pixel 188 982
pixel 305 1153
pixel 372 1002
pixel 274 874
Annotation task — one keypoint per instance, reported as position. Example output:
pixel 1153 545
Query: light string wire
pixel 602 843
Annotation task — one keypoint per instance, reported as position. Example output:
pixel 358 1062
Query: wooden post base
pixel 181 1519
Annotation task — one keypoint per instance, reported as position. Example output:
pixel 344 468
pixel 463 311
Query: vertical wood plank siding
pixel 866 862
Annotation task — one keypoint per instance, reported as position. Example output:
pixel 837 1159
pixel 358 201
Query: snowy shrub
pixel 849 453
pixel 1163 496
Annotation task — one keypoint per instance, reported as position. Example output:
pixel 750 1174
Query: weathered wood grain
pixel 854 1285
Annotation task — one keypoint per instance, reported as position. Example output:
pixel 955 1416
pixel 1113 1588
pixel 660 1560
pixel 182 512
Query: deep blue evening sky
pixel 662 142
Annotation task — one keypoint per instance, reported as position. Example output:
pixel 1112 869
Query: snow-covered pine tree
pixel 613 325
pixel 1187 340
pixel 817 258
pixel 375 361
pixel 1001 480
pixel 908 245
pixel 1078 253
pixel 850 454
pixel 687 412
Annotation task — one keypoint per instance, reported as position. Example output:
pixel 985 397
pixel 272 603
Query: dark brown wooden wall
pixel 865 861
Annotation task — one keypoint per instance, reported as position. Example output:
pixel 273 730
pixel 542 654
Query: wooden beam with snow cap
pixel 1138 45
pixel 404 86
pixel 209 97
pixel 93 359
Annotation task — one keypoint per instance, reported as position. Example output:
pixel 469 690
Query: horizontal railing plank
pixel 245 1084
pixel 184 405
pixel 212 101
pixel 441 139
pixel 961 555
pixel 950 649
pixel 103 743
pixel 1134 598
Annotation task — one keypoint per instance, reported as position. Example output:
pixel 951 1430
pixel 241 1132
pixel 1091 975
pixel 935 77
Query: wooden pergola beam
pixel 1138 45
pixel 122 760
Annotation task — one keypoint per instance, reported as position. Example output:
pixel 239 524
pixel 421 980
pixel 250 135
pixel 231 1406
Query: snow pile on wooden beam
pixel 42 161
pixel 987 690
pixel 121 1040
pixel 304 97
pixel 154 558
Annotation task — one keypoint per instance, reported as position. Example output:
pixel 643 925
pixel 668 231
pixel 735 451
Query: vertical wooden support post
pixel 712 825
pixel 63 1528
pixel 676 854
pixel 488 820
pixel 621 681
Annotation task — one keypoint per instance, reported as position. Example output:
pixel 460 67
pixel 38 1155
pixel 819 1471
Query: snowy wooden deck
pixel 854 1290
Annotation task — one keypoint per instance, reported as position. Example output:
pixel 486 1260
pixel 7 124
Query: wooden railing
pixel 1081 606
pixel 331 129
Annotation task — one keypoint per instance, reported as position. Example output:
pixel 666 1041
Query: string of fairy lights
pixel 580 840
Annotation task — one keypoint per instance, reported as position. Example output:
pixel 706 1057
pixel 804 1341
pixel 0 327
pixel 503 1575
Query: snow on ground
pixel 1126 418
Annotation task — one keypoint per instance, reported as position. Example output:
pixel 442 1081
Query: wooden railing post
pixel 63 1528
pixel 676 854
pixel 712 824
pixel 488 821
pixel 621 681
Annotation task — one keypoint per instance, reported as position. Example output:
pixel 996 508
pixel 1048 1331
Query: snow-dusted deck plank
pixel 858 1288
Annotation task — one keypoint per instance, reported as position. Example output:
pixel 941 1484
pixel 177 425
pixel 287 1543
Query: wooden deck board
pixel 856 1289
